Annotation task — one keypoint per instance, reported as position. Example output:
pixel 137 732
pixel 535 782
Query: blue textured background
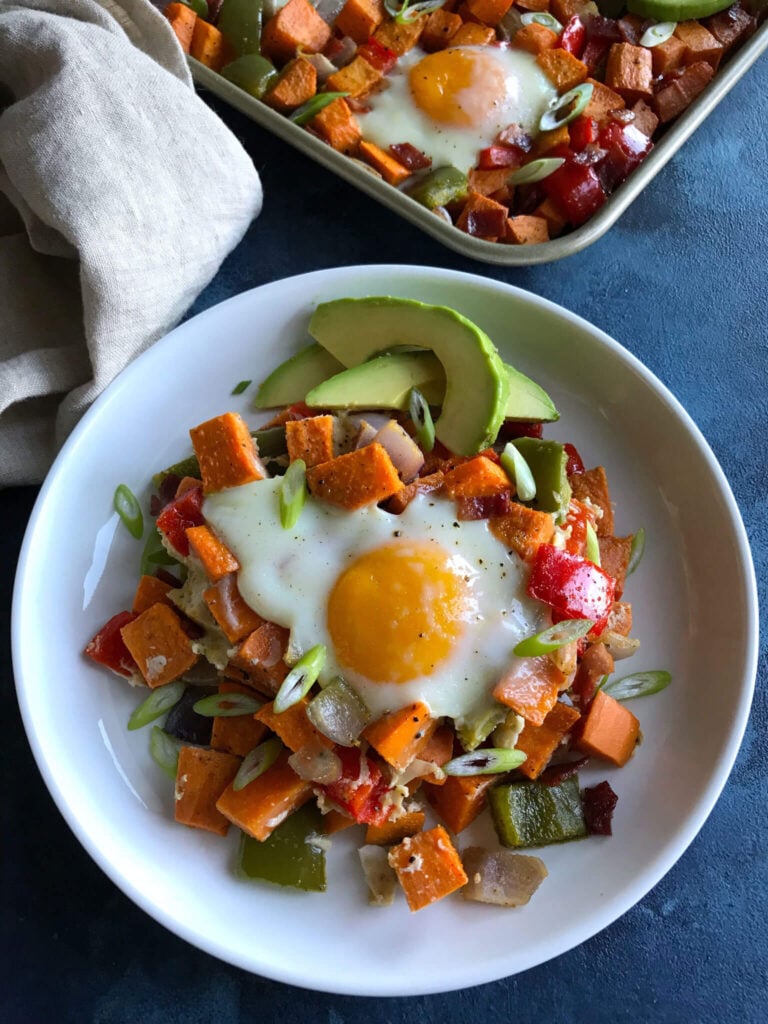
pixel 681 282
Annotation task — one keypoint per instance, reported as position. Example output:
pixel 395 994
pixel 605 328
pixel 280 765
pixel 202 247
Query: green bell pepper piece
pixel 270 442
pixel 252 72
pixel 547 461
pixel 438 188
pixel 240 21
pixel 287 857
pixel 532 814
pixel 186 467
pixel 154 554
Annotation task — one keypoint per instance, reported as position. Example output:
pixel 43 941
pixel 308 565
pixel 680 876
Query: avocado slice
pixel 291 381
pixel 547 461
pixel 477 386
pixel 384 382
pixel 676 10
pixel 528 401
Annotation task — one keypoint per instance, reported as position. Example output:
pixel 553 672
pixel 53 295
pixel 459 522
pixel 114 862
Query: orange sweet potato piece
pixel 428 867
pixel 201 778
pixel 266 802
pixel 472 34
pixel 400 736
pixel 217 559
pixel 620 618
pixel 149 591
pixel 667 56
pixel 236 734
pixel 335 821
pixel 422 485
pixel 614 558
pixel 526 230
pixel 488 12
pixel 460 800
pixel 296 84
pixel 400 38
pixel 476 478
pixel 357 78
pixel 602 101
pixel 441 27
pixel 562 69
pixel 359 478
pixel 338 126
pixel 438 749
pixel 545 141
pixel 554 218
pixel 523 530
pixel 293 726
pixel 539 742
pixel 699 44
pixel 390 832
pixel 629 71
pixel 493 183
pixel 225 603
pixel 534 38
pixel 159 645
pixel 262 655
pixel 564 10
pixel 296 25
pixel 187 483
pixel 359 19
pixel 390 169
pixel 609 730
pixel 530 688
pixel 182 19
pixel 593 485
pixel 595 663
pixel 210 46
pixel 226 453
pixel 310 439
pixel 483 205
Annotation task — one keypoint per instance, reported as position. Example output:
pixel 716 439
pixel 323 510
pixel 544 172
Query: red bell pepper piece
pixel 179 515
pixel 377 55
pixel 572 586
pixel 360 788
pixel 108 649
pixel 574 465
pixel 583 131
pixel 626 147
pixel 409 156
pixel 574 36
pixel 576 190
pixel 495 156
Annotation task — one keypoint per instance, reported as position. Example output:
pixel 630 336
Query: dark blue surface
pixel 681 282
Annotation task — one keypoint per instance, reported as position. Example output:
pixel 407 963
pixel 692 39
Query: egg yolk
pixel 457 86
pixel 397 612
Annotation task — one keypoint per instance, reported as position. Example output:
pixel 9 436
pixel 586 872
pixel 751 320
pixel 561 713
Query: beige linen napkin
pixel 120 195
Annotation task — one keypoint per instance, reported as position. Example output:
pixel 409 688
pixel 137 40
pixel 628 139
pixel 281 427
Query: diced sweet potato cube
pixel 359 478
pixel 266 802
pixel 476 478
pixel 602 101
pixel 482 217
pixel 310 439
pixel 296 84
pixel 645 119
pixel 292 726
pixel 422 485
pixel 460 800
pixel 226 453
pixel 608 730
pixel 149 591
pixel 564 10
pixel 533 5
pixel 562 69
pixel 357 78
pixel 534 38
pixel 493 183
pixel 235 618
pixel 400 38
pixel 262 655
pixel 399 736
pixel 216 558
pixel 614 558
pixel 334 821
pixel 359 19
pixel 338 126
pixel 488 12
pixel 210 46
pixel 526 230
pixel 472 34
pixel 629 71
pixel 390 832
pixel 438 749
pixel 539 742
pixel 296 25
pixel 555 138
pixel 596 662
pixel 699 44
pixel 556 222
pixel 159 645
pixel 530 688
pixel 428 867
pixel 524 530
pixel 201 778
pixel 620 618
pixel 593 486
pixel 441 27
pixel 236 734
pixel 182 19
pixel 390 169
pixel 667 56
pixel 676 97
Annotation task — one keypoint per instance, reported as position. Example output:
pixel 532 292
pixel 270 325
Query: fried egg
pixel 453 103
pixel 418 606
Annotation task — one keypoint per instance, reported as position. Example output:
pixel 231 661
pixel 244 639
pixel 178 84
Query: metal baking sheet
pixel 476 248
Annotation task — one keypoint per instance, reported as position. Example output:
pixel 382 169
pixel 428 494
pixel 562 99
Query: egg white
pixel 287 576
pixel 394 117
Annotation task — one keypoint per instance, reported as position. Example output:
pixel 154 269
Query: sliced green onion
pixel 536 170
pixel 639 684
pixel 157 703
pixel 238 389
pixel 489 761
pixel 563 109
pixel 164 750
pixel 519 472
pixel 227 705
pixel 407 12
pixel 304 114
pixel 256 762
pixel 129 510
pixel 552 639
pixel 542 18
pixel 299 680
pixel 636 551
pixel 658 34
pixel 293 493
pixel 418 410
pixel 593 545
pixel 200 7
pixel 154 554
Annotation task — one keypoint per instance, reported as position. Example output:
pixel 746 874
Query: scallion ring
pixel 593 545
pixel 418 410
pixel 658 34
pixel 407 12
pixel 518 470
pixel 304 114
pixel 164 749
pixel 300 679
pixel 639 684
pixel 256 762
pixel 542 18
pixel 489 761
pixel 242 386
pixel 552 639
pixel 293 493
pixel 226 705
pixel 127 507
pixel 536 170
pixel 157 703
pixel 636 551
pixel 563 109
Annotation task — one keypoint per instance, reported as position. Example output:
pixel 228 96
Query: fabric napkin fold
pixel 120 195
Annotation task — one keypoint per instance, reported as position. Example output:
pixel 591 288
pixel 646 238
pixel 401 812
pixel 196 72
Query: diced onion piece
pixel 500 876
pixel 316 763
pixel 227 705
pixel 339 713
pixel 127 507
pixel 293 494
pixel 365 435
pixel 641 684
pixel 550 639
pixel 256 762
pixel 658 33
pixel 519 472
pixel 164 750
pixel 419 412
pixel 380 877
pixel 157 703
pixel 619 646
pixel 536 170
pixel 488 761
pixel 564 109
pixel 300 679
pixel 593 545
pixel 405 454
pixel 541 18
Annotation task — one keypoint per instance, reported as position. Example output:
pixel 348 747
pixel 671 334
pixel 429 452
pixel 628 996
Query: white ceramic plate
pixel 77 568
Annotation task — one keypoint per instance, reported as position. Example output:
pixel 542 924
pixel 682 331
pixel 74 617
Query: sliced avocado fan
pixel 676 10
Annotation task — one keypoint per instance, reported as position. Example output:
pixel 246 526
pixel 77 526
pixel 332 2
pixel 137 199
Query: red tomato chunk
pixel 572 586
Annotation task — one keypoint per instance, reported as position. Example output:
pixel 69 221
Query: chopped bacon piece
pixel 496 156
pixel 557 773
pixel 410 157
pixel 510 429
pixel 599 803
pixel 515 135
pixel 377 55
pixel 487 507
